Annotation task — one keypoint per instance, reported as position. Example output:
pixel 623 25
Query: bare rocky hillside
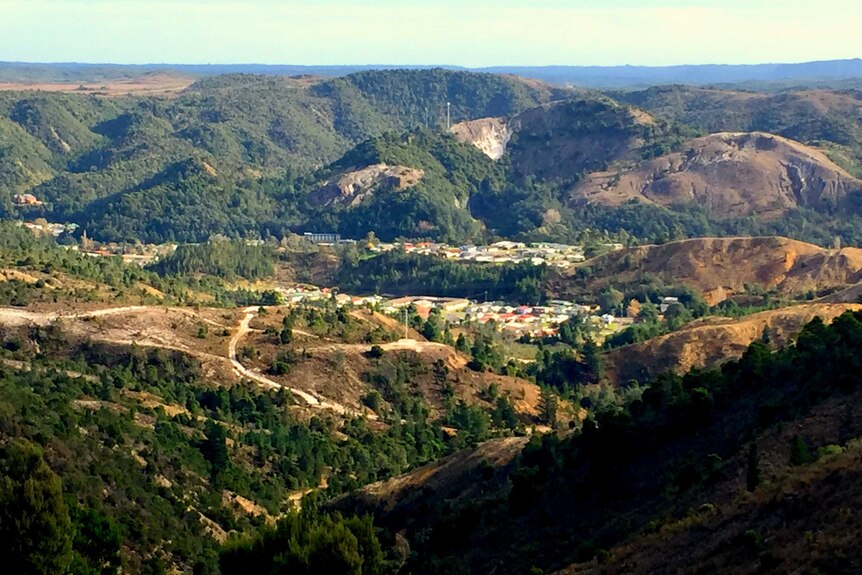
pixel 352 187
pixel 731 175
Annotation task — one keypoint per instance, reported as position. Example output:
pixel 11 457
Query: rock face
pixel 720 267
pixel 349 189
pixel 730 175
pixel 490 135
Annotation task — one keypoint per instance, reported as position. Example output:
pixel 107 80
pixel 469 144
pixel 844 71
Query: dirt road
pixel 312 400
pixel 22 317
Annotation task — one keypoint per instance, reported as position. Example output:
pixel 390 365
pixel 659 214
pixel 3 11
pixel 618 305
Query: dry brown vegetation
pixel 328 369
pixel 148 84
pixel 709 342
pixel 336 370
pixel 456 477
pixel 731 175
pixel 718 268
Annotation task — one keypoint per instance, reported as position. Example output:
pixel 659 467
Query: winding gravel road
pixel 23 317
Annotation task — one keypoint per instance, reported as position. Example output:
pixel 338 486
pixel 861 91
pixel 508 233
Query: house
pixel 453 305
pixel 666 303
pixel 507 246
pixel 401 302
pixel 26 200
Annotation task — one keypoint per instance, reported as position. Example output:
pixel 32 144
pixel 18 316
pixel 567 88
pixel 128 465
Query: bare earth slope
pixel 713 341
pixel 721 267
pixel 490 135
pixel 731 175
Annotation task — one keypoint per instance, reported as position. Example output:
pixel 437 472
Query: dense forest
pixel 53 273
pixel 404 274
pixel 185 168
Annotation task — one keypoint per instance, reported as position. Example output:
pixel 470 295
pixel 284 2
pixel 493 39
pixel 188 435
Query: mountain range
pixel 249 154
pixel 805 73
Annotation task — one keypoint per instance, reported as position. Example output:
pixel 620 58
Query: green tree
pixel 35 531
pixel 431 329
pixel 592 361
pixel 752 471
pixel 799 452
pixel 214 449
pixel 285 336
pixel 461 344
pixel 648 313
pixel 504 413
pixel 96 543
pixel 610 299
pixel 548 406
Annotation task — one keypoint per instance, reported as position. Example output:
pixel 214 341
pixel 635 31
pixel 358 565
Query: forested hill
pixel 245 155
pixel 90 158
pixel 750 468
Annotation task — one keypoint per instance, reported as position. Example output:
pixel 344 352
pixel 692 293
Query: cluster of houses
pixel 536 321
pixel 44 228
pixel 139 254
pixel 537 253
pixel 309 294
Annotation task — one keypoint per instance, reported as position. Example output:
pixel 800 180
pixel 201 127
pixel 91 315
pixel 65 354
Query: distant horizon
pixel 415 65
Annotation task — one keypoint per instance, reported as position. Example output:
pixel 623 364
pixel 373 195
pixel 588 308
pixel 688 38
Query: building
pixel 26 200
pixel 319 238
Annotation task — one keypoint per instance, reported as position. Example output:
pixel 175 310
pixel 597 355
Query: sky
pixel 471 33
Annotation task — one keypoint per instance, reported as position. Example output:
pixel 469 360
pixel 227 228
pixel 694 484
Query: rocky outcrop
pixel 349 189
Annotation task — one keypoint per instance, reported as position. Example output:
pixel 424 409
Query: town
pixel 511 320
pixel 501 252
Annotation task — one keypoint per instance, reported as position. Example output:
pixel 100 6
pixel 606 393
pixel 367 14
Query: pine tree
pixel 215 449
pixel 548 406
pixel 461 344
pixel 799 452
pixel 752 473
pixel 592 361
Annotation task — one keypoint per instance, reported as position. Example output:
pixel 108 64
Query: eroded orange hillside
pixel 731 174
pixel 720 267
pixel 712 341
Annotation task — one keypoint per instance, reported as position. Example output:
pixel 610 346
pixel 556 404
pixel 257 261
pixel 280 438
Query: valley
pixel 427 321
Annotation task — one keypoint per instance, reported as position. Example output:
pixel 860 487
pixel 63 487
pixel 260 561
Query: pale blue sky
pixel 466 32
